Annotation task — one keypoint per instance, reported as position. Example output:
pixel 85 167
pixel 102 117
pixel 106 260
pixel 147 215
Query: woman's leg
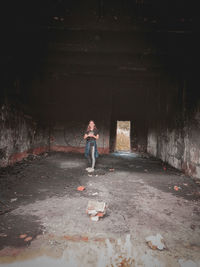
pixel 93 157
pixel 89 160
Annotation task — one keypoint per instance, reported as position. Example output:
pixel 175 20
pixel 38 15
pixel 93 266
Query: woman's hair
pixel 88 127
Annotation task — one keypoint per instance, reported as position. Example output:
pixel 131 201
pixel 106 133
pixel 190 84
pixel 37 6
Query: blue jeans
pixel 87 148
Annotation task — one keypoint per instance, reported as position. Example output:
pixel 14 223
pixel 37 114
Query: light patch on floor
pixel 72 164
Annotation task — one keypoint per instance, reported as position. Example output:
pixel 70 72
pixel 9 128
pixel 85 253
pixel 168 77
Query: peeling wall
pixel 20 136
pixel 175 139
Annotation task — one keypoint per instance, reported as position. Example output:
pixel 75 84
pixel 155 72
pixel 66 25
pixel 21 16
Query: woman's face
pixel 91 124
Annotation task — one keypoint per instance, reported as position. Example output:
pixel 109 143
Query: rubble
pixel 155 242
pixel 176 188
pixel 80 188
pixel 29 238
pixel 96 210
pixel 23 236
pixel 13 199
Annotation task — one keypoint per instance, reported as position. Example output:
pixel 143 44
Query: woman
pixel 91 152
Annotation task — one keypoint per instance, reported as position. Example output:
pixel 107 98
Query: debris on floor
pixel 95 194
pixel 3 235
pixel 80 188
pixel 94 218
pixel 23 236
pixel 111 169
pixel 13 199
pixel 176 188
pixel 29 238
pixel 96 210
pixel 155 242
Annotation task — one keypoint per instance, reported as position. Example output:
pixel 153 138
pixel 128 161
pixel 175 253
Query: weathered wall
pixel 68 137
pixel 175 137
pixel 139 135
pixel 20 136
pixel 178 147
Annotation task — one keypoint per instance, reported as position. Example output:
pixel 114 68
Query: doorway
pixel 123 136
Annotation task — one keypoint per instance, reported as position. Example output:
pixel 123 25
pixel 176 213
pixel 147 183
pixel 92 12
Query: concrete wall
pixel 175 138
pixel 68 136
pixel 20 136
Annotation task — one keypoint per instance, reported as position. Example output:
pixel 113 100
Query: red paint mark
pixel 39 150
pixel 9 251
pixel 57 148
pixel 17 157
pixel 76 238
pixel 22 155
pixel 68 149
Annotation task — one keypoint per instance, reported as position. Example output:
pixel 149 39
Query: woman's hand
pixel 85 136
pixel 96 136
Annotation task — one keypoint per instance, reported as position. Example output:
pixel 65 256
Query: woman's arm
pixel 85 136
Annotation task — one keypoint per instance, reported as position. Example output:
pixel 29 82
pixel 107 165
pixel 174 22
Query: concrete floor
pixel 41 194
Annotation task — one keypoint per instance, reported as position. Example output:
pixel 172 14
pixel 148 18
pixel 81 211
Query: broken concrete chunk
pixel 155 242
pixel 96 205
pixel 80 188
pixel 176 188
pixel 23 236
pixel 92 212
pixel 96 209
pixel 13 199
pixel 29 238
pixel 94 218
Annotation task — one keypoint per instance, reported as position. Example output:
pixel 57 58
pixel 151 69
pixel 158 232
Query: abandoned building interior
pixel 64 63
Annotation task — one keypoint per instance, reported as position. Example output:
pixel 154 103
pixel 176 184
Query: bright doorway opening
pixel 123 136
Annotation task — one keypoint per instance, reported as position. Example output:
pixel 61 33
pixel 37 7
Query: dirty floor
pixel 43 218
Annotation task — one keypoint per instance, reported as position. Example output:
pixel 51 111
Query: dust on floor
pixel 40 200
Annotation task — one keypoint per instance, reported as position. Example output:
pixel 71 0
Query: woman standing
pixel 91 152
